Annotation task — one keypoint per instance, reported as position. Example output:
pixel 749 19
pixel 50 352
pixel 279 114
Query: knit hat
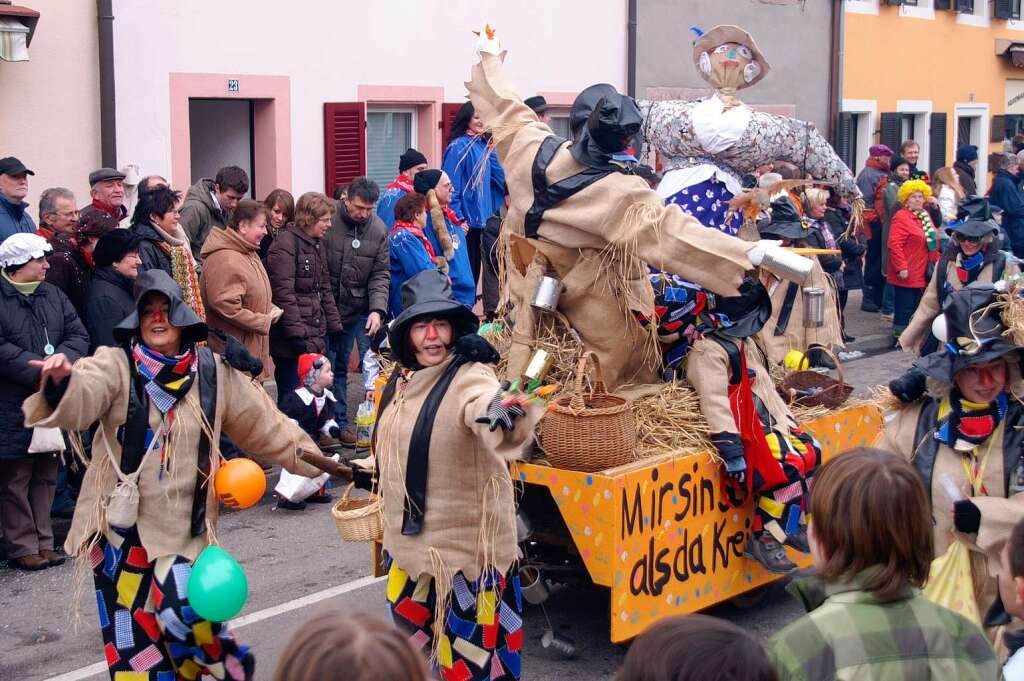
pixel 426 180
pixel 967 153
pixel 897 161
pixel 410 159
pixel 310 366
pixel 19 248
pixel 880 150
pixel 114 246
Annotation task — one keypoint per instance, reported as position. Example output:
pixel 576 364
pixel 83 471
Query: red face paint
pixel 158 315
pixel 431 330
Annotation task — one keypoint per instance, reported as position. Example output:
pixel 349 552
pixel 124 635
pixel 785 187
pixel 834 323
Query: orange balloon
pixel 240 483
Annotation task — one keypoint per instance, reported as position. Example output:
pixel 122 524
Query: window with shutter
pixel 937 141
pixel 344 143
pixel 845 125
pixel 892 127
pixel 448 113
pixel 965 6
pixel 894 2
pixel 943 4
pixel 998 131
pixel 389 132
pixel 1002 9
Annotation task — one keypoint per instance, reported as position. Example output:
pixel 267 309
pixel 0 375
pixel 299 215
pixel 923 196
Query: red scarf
pixel 402 182
pixel 452 217
pixel 415 230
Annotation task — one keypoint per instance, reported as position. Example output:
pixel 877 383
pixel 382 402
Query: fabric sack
pixel 46 440
pixel 296 488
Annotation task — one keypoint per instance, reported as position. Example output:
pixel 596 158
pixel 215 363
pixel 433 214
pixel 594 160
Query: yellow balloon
pixel 796 360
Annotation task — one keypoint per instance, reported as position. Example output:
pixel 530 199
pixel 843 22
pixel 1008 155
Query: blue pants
pixel 339 346
pixel 888 299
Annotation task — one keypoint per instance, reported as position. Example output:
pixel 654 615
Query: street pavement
pixel 297 566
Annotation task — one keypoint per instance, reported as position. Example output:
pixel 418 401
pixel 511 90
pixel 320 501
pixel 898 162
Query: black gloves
pixel 334 431
pixel 730 448
pixel 297 344
pixel 966 517
pixel 362 478
pixel 909 387
pixel 500 415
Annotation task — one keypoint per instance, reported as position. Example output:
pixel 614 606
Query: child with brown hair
pixel 349 647
pixel 1009 606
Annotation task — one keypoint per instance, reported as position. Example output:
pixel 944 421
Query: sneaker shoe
pixel 348 439
pixel 769 553
pixel 291 505
pixel 324 498
pixel 798 540
pixel 868 306
pixel 30 563
pixel 53 557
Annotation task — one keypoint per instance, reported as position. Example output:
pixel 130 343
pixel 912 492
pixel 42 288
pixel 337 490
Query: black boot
pixel 769 553
pixel 291 505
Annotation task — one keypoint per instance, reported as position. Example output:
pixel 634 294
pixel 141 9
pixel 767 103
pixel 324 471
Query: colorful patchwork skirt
pixel 482 637
pixel 782 510
pixel 708 201
pixel 150 633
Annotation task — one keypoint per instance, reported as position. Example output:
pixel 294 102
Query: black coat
pixel 152 256
pixel 108 301
pixel 26 322
pixel 305 414
pixel 360 277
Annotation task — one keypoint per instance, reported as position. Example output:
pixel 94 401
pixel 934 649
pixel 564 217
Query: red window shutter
pixel 448 112
pixel 344 143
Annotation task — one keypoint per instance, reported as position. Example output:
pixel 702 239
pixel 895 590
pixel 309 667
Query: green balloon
pixel 217 586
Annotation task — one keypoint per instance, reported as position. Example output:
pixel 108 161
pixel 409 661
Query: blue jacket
pixel 386 204
pixel 14 218
pixel 408 257
pixel 1007 194
pixel 477 196
pixel 459 271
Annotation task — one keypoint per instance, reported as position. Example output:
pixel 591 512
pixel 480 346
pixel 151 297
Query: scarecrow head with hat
pixel 785 223
pixel 728 58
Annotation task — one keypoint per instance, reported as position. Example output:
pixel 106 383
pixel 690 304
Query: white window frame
pixel 861 7
pixel 982 112
pixel 867 112
pixel 981 16
pixel 386 108
pixel 925 9
pixel 922 110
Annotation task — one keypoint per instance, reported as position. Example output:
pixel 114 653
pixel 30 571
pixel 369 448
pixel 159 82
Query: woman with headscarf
pixel 447 233
pixel 477 178
pixel 913 248
pixel 445 433
pixel 161 403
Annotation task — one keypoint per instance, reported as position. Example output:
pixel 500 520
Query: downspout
pixel 835 83
pixel 108 121
pixel 631 49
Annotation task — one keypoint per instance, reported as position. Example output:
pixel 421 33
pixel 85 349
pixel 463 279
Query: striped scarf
pixel 183 271
pixel 168 379
pixel 930 235
pixel 964 425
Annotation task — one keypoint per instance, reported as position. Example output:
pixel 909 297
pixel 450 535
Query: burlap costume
pixel 597 241
pixel 796 336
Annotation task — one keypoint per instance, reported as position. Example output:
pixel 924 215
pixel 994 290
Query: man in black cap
pixel 540 107
pixel 13 190
pixel 107 191
pixel 409 163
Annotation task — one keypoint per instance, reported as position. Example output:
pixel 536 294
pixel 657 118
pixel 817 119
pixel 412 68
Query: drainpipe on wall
pixel 631 49
pixel 108 127
pixel 835 81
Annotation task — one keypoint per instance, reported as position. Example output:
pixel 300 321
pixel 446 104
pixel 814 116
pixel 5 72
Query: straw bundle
pixel 1011 302
pixel 553 336
pixel 670 421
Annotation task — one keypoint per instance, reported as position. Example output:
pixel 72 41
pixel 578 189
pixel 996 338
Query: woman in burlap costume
pixel 596 225
pixel 966 434
pixel 446 491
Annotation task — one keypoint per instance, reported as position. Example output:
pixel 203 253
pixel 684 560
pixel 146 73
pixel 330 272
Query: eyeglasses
pixel 70 215
pixel 962 238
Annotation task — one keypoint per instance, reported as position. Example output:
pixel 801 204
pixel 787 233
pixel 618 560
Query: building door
pixel 221 134
pixel 972 127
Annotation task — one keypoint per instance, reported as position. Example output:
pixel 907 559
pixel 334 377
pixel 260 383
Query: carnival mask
pixel 729 67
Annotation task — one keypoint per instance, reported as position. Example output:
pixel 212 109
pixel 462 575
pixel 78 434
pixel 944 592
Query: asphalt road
pixel 297 565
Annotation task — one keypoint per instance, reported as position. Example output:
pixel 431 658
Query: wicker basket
pixel 358 519
pixel 589 432
pixel 833 392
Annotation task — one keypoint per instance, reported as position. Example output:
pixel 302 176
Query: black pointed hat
pixel 748 312
pixel 785 222
pixel 974 218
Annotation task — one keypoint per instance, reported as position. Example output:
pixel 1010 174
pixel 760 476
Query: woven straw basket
pixel 833 392
pixel 358 519
pixel 589 432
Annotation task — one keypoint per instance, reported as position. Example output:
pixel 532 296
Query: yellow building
pixel 940 72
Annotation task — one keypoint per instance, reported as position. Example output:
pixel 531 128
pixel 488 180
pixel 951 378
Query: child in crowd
pixel 336 646
pixel 696 648
pixel 1010 604
pixel 311 406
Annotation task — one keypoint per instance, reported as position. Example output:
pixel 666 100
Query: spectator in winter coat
pixel 209 203
pixel 110 298
pixel 830 233
pixel 409 250
pixel 236 288
pixel 913 246
pixel 58 213
pixel 911 151
pixel 107 194
pixel 36 321
pixel 409 163
pixel 164 245
pixel 886 204
pixel 447 233
pixel 71 264
pixel 280 204
pixel 966 166
pixel 357 257
pixel 477 178
pixel 1007 195
pixel 13 190
pixel 875 170
pixel 300 283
